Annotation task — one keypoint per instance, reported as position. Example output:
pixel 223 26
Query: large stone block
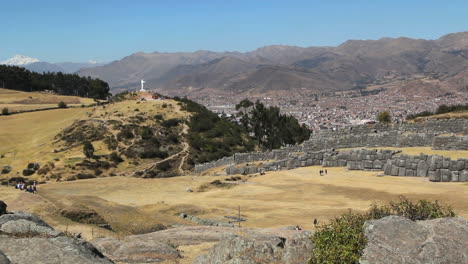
pixel 421 170
pixel 388 167
pixel 445 175
pixel 377 164
pixel 342 163
pixel 455 176
pixel 463 176
pixel 445 164
pixel 395 170
pixel 401 171
pixel 434 175
pixel 460 165
pixel 410 172
pixel 453 165
pixel 401 163
pixel 367 164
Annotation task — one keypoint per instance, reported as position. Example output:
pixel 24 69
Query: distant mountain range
pixel 36 65
pixel 440 64
pixel 406 65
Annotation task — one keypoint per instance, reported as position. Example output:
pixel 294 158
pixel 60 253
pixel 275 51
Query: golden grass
pixel 275 199
pixel 29 137
pixel 452 115
pixel 18 100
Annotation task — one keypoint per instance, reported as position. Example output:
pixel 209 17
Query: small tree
pixel 62 104
pixel 5 111
pixel 384 117
pixel 88 149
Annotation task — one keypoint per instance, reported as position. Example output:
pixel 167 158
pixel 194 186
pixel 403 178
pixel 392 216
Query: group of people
pixel 27 188
pixel 322 172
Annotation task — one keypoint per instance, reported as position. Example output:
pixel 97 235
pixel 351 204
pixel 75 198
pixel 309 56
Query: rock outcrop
pixel 395 239
pixel 25 238
pixel 255 249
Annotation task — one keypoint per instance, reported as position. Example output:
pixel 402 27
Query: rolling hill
pixel 283 69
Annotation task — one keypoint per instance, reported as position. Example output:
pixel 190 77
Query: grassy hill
pixel 20 101
pixel 55 138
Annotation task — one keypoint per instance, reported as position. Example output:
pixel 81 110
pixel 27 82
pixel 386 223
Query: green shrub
pixel 343 240
pixel 62 104
pixel 146 133
pixel 164 166
pixel 5 111
pixel 115 158
pixel 170 122
pixel 158 117
pixel 153 153
pixel 384 117
pixel 125 133
pixel 88 149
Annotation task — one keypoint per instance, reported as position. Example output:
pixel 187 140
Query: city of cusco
pixel 241 132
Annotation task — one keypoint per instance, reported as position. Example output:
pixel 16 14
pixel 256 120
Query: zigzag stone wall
pixel 431 133
pixel 437 168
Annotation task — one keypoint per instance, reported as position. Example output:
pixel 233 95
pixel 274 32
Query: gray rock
pixel 3 208
pixel 463 177
pixel 401 171
pixel 25 227
pixel 138 251
pixel 4 259
pixel 395 170
pixel 269 249
pixel 445 175
pixel 22 215
pixel 455 176
pixel 422 168
pixel 395 239
pixel 55 250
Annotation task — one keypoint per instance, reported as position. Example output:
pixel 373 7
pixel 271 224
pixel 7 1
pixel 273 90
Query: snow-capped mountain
pixel 19 60
pixel 36 65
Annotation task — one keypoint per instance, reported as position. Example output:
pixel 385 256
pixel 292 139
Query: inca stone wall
pixel 437 168
pixel 431 133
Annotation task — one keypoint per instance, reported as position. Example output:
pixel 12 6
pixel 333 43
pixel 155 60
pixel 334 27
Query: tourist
pixel 34 187
pixel 326 172
pixel 298 228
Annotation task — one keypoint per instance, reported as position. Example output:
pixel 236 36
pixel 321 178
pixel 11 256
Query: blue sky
pixel 106 30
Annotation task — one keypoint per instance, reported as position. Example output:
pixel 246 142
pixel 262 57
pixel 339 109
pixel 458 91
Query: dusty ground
pixel 285 198
pixel 275 199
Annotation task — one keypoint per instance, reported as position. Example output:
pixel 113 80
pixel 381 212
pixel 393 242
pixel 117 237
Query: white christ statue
pixel 142 85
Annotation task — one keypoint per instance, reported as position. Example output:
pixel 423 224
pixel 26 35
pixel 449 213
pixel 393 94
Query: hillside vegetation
pixel 18 78
pixel 129 136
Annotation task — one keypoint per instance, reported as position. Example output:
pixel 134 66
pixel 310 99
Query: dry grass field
pixel 276 199
pixel 18 100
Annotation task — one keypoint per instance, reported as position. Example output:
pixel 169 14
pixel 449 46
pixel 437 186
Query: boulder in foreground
pixel 395 239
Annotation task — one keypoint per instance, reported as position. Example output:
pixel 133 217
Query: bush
pixel 126 133
pixel 146 133
pixel 5 111
pixel 170 122
pixel 343 240
pixel 384 117
pixel 164 166
pixel 88 149
pixel 158 117
pixel 62 104
pixel 153 153
pixel 115 158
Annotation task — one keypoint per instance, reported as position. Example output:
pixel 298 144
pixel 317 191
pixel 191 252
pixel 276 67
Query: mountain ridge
pixel 353 63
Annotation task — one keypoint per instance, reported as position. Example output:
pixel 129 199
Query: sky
pixel 107 30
